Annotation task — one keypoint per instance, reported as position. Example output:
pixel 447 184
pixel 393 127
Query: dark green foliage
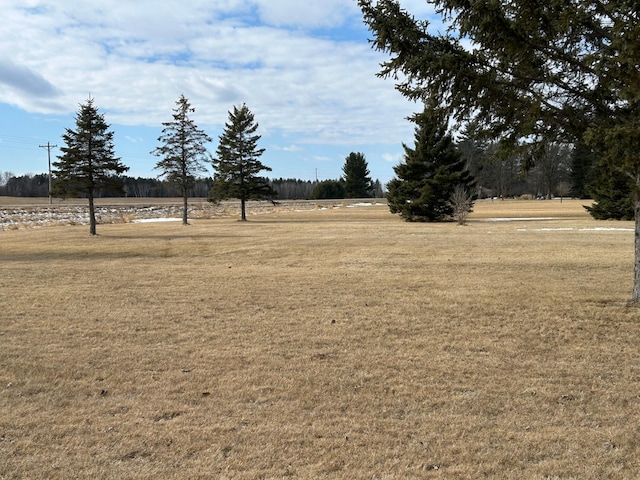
pixel 328 189
pixel 612 195
pixel 292 188
pixel 182 151
pixel 237 162
pixel 26 186
pixel 357 182
pixel 88 161
pixel 583 162
pixel 427 178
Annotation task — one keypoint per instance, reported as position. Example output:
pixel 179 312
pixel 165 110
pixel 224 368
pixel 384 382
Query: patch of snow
pixel 568 229
pixel 361 204
pixel 516 219
pixel 154 220
pixel 552 229
pixel 606 229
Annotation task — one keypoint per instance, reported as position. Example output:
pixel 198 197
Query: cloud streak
pixel 25 81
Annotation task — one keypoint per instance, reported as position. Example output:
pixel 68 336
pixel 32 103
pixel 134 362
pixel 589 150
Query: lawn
pixel 337 343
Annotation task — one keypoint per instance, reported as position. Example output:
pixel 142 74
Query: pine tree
pixel 357 182
pixel 611 193
pixel 183 151
pixel 427 178
pixel 88 163
pixel 237 162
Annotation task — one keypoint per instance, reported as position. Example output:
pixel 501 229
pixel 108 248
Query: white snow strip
pixel 606 229
pixel 568 229
pixel 552 229
pixel 361 204
pixel 154 220
pixel 517 219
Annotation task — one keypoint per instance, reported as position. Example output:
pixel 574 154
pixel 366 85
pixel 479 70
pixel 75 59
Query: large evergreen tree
pixel 88 163
pixel 431 170
pixel 357 182
pixel 237 162
pixel 551 70
pixel 183 151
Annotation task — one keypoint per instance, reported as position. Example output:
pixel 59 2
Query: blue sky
pixel 305 69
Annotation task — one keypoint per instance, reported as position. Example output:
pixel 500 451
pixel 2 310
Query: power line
pixel 48 146
pixel 18 143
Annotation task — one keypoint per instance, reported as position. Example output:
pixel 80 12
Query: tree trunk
pixel 92 215
pixel 635 297
pixel 185 201
pixel 243 213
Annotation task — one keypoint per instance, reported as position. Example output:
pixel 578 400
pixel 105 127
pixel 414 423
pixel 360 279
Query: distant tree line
pixel 24 185
pixel 562 171
pixel 143 187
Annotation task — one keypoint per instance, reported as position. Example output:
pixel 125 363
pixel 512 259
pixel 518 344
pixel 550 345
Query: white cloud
pixel 392 157
pixel 288 148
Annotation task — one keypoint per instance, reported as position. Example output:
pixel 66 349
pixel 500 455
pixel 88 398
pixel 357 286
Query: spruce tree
pixel 427 178
pixel 183 151
pixel 611 193
pixel 357 182
pixel 237 162
pixel 88 163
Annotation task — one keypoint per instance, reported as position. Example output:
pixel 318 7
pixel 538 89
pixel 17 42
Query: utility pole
pixel 48 146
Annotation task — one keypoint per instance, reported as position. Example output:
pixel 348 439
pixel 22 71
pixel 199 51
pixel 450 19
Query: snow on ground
pixel 157 220
pixel 569 229
pixel 607 229
pixel 16 217
pixel 516 219
pixel 364 204
pixel 36 216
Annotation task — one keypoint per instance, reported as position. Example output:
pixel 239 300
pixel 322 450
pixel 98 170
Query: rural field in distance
pixel 322 343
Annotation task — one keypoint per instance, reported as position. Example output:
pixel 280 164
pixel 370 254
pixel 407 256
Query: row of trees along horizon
pixel 88 166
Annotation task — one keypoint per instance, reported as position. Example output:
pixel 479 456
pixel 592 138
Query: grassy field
pixel 336 344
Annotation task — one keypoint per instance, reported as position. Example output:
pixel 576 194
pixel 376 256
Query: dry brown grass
pixel 323 344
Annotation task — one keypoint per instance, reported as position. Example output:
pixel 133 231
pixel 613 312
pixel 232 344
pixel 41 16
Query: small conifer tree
pixel 88 163
pixel 183 151
pixel 357 182
pixel 237 162
pixel 426 180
